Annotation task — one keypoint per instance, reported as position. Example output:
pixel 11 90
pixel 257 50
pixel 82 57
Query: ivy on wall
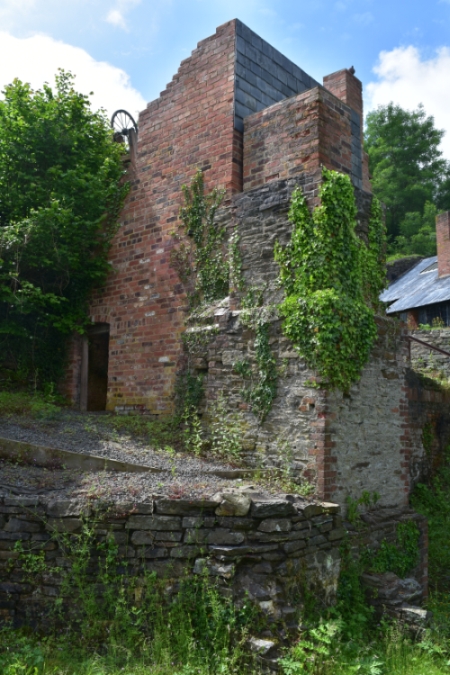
pixel 332 281
pixel 200 260
pixel 260 386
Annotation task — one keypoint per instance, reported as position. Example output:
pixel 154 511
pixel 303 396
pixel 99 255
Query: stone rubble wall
pixel 371 447
pixel 428 361
pixel 342 444
pixel 265 547
pixel 429 415
pixel 285 440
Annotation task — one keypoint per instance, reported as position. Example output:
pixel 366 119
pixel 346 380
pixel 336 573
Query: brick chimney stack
pixel 346 87
pixel 443 243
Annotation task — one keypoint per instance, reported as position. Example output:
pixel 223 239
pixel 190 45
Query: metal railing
pixel 411 338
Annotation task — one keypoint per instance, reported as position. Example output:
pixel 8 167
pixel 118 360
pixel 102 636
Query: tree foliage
pixel 332 281
pixel 409 175
pixel 60 196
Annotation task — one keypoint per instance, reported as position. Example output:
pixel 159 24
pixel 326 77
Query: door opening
pixel 96 353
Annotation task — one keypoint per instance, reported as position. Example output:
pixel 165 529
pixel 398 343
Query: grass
pixel 35 406
pixel 138 627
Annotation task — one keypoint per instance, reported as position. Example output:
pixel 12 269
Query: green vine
pixel 373 257
pixel 330 278
pixel 261 380
pixel 427 437
pixel 201 261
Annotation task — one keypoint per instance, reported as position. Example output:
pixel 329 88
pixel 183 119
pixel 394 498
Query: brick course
pixel 443 243
pixel 190 126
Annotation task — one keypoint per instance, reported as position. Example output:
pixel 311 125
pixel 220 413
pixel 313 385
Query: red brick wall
pixel 190 126
pixel 443 243
pixel 297 135
pixel 348 89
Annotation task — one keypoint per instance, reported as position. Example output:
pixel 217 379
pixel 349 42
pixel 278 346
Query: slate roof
pixel 418 287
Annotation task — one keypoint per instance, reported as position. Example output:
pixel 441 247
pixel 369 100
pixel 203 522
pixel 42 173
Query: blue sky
pixel 126 51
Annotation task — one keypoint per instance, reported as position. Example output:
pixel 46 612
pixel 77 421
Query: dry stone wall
pixel 266 549
pixel 257 547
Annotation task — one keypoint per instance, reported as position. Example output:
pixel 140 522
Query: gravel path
pixel 91 435
pixel 182 474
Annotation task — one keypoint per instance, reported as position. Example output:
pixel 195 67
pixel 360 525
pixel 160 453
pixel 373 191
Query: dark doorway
pixel 97 375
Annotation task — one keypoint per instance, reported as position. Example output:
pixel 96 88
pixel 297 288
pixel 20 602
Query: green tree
pixel 60 196
pixel 408 172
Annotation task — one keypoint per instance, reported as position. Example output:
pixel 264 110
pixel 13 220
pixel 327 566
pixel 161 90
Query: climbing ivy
pixel 329 276
pixel 261 380
pixel 373 257
pixel 201 260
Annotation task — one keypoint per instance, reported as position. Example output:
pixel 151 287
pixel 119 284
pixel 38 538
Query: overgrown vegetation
pixel 124 620
pixel 36 406
pixel 200 257
pixel 260 380
pixel 332 281
pixel 60 197
pixel 114 616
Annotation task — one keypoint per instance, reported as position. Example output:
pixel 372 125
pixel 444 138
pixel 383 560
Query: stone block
pixel 225 537
pixel 233 503
pixel 168 536
pixel 185 552
pixel 275 525
pixel 241 551
pixel 27 502
pixel 17 525
pixel 196 536
pixel 195 522
pixel 68 525
pixel 292 546
pixel 153 553
pixel 214 569
pixel 142 538
pixel 273 508
pixel 66 508
pixel 185 507
pixel 313 510
pixel 153 523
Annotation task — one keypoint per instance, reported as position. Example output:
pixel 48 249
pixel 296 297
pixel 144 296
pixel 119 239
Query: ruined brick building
pixel 257 126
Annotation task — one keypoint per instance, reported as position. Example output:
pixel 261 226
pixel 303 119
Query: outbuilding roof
pixel 418 287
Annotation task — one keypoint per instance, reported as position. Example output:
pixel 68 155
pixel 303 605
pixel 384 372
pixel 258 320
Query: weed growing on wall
pixel 401 557
pixel 114 608
pixel 260 380
pixel 200 255
pixel 330 278
pixel 226 431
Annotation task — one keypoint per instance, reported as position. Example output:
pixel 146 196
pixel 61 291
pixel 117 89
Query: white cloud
pixel 407 79
pixel 363 19
pixel 36 60
pixel 13 9
pixel 116 19
pixel 116 15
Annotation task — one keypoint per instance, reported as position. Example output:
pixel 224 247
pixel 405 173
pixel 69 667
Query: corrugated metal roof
pixel 417 288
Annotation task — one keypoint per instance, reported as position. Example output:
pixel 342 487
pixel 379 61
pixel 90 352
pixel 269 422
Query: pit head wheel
pixel 122 124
